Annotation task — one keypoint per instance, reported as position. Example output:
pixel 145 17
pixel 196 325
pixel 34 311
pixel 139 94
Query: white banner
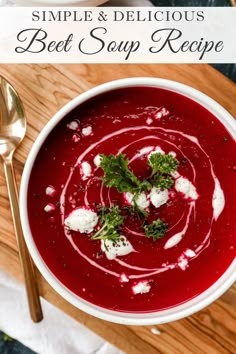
pixel 117 35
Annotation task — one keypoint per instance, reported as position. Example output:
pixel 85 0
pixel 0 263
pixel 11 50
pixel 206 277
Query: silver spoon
pixel 12 131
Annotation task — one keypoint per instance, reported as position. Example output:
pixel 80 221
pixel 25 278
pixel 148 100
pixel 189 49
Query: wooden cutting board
pixel 46 88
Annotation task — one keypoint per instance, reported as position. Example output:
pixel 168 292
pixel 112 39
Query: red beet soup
pixel 66 193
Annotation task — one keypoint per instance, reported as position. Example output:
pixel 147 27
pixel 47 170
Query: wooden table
pixel 46 88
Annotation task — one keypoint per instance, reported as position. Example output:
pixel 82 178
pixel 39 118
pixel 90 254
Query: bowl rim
pixel 143 318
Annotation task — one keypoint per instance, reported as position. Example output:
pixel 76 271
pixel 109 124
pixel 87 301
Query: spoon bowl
pixel 12 132
pixel 12 119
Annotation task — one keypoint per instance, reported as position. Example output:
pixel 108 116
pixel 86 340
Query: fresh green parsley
pixel 156 230
pixel 162 181
pixel 162 163
pixel 162 166
pixel 118 174
pixel 111 222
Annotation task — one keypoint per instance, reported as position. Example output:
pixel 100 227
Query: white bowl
pixel 172 314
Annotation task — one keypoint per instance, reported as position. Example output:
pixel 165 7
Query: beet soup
pixel 196 212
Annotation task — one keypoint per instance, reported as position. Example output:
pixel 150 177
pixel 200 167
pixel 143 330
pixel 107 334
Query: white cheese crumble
pixel 149 121
pixel 50 191
pixel 182 262
pixel 183 259
pixel 161 113
pixel 189 253
pixel 85 170
pixel 158 197
pixel 49 207
pixel 142 287
pixel 141 200
pixel 129 197
pixel 82 220
pixel 121 248
pixel 97 160
pixel 73 125
pixel 184 186
pixel 87 131
pixel 123 278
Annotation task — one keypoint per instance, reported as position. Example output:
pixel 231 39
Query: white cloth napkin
pixel 56 334
pixel 6 2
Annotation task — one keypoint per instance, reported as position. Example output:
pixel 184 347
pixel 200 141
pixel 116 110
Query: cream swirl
pixel 155 137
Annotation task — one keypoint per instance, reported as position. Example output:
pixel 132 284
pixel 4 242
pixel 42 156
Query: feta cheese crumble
pixel 113 249
pixel 141 200
pixel 186 188
pixel 123 278
pixel 87 131
pixel 182 262
pixel 85 170
pixel 73 125
pixel 142 287
pixel 82 220
pixel 183 259
pixel 50 191
pixel 189 253
pixel 161 113
pixel 49 207
pixel 97 160
pixel 158 197
pixel 149 121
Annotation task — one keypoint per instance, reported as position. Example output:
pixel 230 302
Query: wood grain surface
pixel 46 88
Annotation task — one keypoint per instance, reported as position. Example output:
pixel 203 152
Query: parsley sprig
pixel 162 166
pixel 156 230
pixel 111 222
pixel 118 174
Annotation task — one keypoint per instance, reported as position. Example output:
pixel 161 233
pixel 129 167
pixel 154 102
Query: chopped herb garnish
pixel 117 174
pixel 129 209
pixel 111 221
pixel 156 230
pixel 162 166
pixel 163 181
pixel 162 163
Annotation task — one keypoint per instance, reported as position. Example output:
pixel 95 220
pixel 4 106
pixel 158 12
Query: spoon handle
pixel 25 259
